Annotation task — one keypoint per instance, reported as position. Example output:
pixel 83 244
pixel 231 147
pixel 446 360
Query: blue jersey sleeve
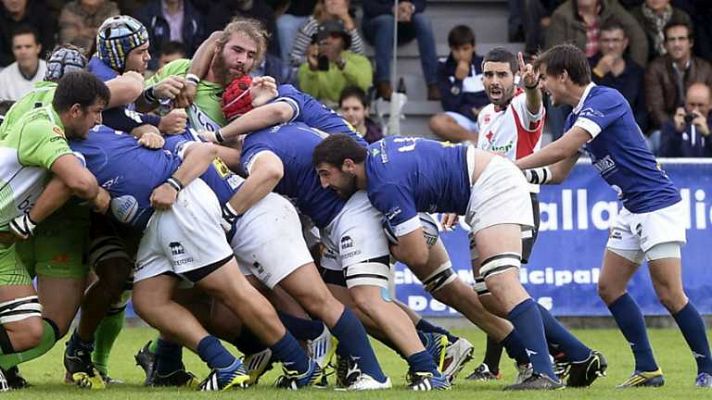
pixel 250 149
pixel 600 111
pixel 293 97
pixel 398 207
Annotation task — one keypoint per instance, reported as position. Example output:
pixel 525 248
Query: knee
pixel 436 123
pixel 25 334
pixel 608 292
pixel 366 303
pixel 317 302
pixel 673 300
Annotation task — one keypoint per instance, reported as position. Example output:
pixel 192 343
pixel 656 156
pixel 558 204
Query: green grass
pixel 46 375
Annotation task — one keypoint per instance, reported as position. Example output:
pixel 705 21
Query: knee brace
pixel 500 263
pixel 120 304
pixel 376 272
pixel 480 286
pixel 106 248
pixel 19 309
pixel 439 278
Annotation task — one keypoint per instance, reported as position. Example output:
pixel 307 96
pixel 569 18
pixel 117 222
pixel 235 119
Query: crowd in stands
pixel 657 53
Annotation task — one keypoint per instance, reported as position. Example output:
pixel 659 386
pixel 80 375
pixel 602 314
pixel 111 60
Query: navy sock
pixel 212 352
pixel 515 348
pixel 555 332
pixel 693 329
pixel 526 319
pixel 248 343
pixel 302 329
pixel 169 357
pixel 493 354
pixel 292 356
pixel 76 343
pixel 351 333
pixel 426 326
pixel 422 362
pixel 630 321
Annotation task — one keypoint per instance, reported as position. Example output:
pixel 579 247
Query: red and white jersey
pixel 512 132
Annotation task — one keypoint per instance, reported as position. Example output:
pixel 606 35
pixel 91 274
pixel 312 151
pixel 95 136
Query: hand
pixel 262 90
pixel 526 72
pixel 700 123
pixel 169 88
pixel 449 221
pixel 208 136
pixel 173 122
pixel 605 64
pixel 133 75
pixel 405 11
pixel 186 97
pixel 331 52
pixel 679 119
pixel 100 203
pixel 163 197
pixel 313 56
pixel 151 140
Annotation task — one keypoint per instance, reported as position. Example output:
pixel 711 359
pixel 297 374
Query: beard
pixel 349 189
pixel 223 73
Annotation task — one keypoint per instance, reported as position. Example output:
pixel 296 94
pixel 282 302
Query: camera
pixel 323 63
pixel 689 117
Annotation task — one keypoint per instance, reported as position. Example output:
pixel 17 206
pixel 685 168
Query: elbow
pixel 284 114
pixel 83 186
pixel 274 174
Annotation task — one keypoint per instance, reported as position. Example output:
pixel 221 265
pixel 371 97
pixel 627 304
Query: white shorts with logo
pixel 631 231
pixel 354 236
pixel 185 238
pixel 268 241
pixel 500 196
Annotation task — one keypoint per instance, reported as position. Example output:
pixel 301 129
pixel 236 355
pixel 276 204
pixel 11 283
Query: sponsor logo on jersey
pixel 605 164
pixel 590 112
pixel 58 131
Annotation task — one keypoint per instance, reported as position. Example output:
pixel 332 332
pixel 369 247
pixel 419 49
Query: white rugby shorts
pixel 631 231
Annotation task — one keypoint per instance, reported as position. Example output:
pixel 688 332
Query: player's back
pixel 294 144
pixel 433 173
pixel 621 155
pixel 40 96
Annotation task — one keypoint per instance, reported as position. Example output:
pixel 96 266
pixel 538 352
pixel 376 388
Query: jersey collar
pixel 586 91
pixel 54 117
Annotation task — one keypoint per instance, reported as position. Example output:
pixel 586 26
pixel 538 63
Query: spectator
pixel 19 77
pixel 274 67
pixel 296 14
pixel 330 66
pixel 529 20
pixel 688 134
pixel 668 76
pixel 80 20
pixel 460 81
pixel 172 21
pixel 701 15
pixel 353 105
pixel 613 68
pixel 325 10
pixel 170 51
pixel 15 13
pixel 578 22
pixel 222 12
pixel 379 17
pixel 653 15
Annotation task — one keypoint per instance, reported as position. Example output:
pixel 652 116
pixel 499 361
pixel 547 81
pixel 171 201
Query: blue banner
pixel 566 262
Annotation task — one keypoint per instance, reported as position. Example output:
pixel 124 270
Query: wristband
pixel 219 137
pixel 538 176
pixel 535 86
pixel 23 226
pixel 193 79
pixel 175 183
pixel 149 95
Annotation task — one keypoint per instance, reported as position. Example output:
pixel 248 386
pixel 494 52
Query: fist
pixel 169 88
pixel 173 122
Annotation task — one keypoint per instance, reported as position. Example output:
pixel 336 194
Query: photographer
pixel 688 134
pixel 330 66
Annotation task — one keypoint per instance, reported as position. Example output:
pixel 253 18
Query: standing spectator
pixel 653 16
pixel 15 13
pixel 613 68
pixel 221 12
pixel 379 17
pixel 668 76
pixel 688 134
pixel 80 20
pixel 579 21
pixel 172 21
pixel 288 24
pixel 460 81
pixel 353 105
pixel 170 51
pixel 325 10
pixel 19 77
pixel 330 66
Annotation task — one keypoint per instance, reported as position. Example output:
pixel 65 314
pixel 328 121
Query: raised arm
pixel 265 172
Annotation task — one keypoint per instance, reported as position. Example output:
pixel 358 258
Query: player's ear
pixel 75 110
pixel 347 165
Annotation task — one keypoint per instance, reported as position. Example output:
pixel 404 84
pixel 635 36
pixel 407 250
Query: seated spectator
pixel 688 134
pixel 668 76
pixel 379 18
pixel 15 13
pixel 579 21
pixel 653 15
pixel 288 23
pixel 330 66
pixel 612 67
pixel 172 21
pixel 325 10
pixel 171 51
pixel 19 77
pixel 221 12
pixel 79 21
pixel 463 95
pixel 353 105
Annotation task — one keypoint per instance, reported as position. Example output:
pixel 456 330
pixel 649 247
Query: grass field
pixel 45 374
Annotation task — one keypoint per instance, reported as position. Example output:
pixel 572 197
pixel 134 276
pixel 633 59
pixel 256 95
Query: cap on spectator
pixel 236 98
pixel 330 27
pixel 64 59
pixel 117 37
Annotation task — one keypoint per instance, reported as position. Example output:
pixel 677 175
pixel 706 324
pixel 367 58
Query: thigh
pixel 666 274
pixel 60 299
pixel 12 268
pixel 60 244
pixel 616 271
